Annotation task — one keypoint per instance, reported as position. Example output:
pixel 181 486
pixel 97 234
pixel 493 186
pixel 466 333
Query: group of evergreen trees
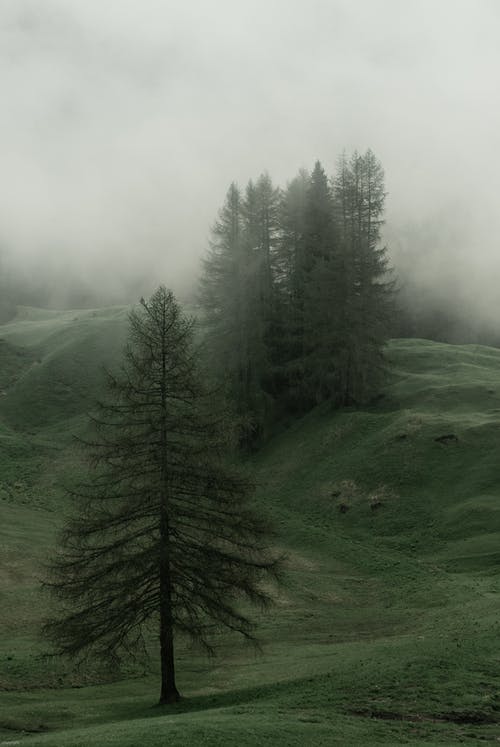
pixel 296 292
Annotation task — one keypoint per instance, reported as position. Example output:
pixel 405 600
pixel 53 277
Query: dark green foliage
pixel 292 216
pixel 240 304
pixel 164 534
pixel 289 282
pixel 227 295
pixel 319 293
pixel 364 291
pixel 261 235
pixel 297 293
pixel 308 244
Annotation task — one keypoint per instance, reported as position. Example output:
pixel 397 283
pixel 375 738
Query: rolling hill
pixel 386 630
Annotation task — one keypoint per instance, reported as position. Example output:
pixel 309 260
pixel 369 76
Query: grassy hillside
pixel 386 631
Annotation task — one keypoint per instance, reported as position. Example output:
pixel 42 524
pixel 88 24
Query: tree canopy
pixel 296 293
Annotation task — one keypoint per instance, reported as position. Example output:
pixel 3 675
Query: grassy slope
pixel 387 630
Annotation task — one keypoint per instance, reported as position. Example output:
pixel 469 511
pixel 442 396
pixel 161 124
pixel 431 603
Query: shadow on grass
pixel 82 710
pixel 231 698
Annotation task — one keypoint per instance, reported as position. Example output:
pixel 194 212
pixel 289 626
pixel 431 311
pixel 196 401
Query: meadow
pixel 386 628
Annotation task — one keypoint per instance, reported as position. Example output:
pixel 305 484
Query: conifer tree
pixel 309 239
pixel 365 289
pixel 261 233
pixel 225 297
pixel 289 287
pixel 238 299
pixel 292 220
pixel 165 538
pixel 320 293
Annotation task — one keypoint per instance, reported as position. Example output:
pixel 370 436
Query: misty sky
pixel 122 124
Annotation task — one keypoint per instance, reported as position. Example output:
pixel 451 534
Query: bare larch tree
pixel 164 534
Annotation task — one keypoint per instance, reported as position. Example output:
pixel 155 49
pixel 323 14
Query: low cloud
pixel 122 124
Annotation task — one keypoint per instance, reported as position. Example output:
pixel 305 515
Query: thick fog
pixel 123 122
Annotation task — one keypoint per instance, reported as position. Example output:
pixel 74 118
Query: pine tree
pixel 225 300
pixel 292 221
pixel 261 233
pixel 320 292
pixel 238 300
pixel 309 251
pixel 365 289
pixel 289 286
pixel 165 536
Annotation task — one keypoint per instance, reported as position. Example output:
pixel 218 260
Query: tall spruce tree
pixel 365 288
pixel 292 223
pixel 308 277
pixel 225 300
pixel 289 286
pixel 165 538
pixel 238 300
pixel 233 344
pixel 320 291
pixel 261 234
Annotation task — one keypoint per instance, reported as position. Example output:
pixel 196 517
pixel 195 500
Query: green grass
pixel 386 631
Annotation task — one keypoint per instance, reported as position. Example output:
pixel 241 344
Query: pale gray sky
pixel 122 123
